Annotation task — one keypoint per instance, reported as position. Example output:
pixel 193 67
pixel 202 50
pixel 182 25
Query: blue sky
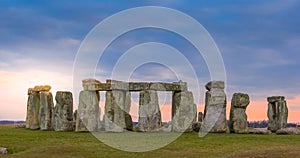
pixel 259 42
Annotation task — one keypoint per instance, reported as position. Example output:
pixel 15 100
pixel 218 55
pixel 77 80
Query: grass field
pixel 27 143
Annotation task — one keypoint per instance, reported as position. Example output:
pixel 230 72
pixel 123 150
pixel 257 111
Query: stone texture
pixel 238 117
pixel 259 131
pixel 42 88
pixel 197 126
pixel 215 108
pixel 215 85
pixel 90 84
pixel 63 112
pixel 33 107
pixel 46 110
pixel 3 151
pixel 117 107
pixel 200 117
pixel 88 118
pixel 277 113
pixel 149 112
pixel 289 131
pixel 184 111
pixel 29 91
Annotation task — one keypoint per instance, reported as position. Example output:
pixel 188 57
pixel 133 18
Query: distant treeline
pixel 5 122
pixel 264 124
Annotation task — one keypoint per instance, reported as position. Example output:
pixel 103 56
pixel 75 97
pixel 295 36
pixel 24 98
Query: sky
pixel 258 40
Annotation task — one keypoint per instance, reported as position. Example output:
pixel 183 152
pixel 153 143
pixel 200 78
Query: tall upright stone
pixel 63 112
pixel 88 113
pixel 33 107
pixel 184 111
pixel 238 117
pixel 215 108
pixel 117 107
pixel 46 110
pixel 149 112
pixel 277 113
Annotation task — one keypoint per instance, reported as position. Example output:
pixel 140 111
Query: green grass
pixel 28 143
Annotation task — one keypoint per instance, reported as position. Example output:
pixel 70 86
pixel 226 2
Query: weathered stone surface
pixel 46 110
pixel 215 108
pixel 184 111
pixel 259 131
pixel 117 107
pixel 290 131
pixel 275 98
pixel 63 112
pixel 3 151
pixel 42 88
pixel 215 85
pixel 149 112
pixel 277 113
pixel 33 107
pixel 200 117
pixel 238 117
pixel 90 84
pixel 94 85
pixel 29 91
pixel 88 118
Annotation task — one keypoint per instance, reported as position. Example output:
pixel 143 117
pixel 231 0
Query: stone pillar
pixel 238 117
pixel 149 112
pixel 184 111
pixel 46 110
pixel 215 108
pixel 200 117
pixel 277 113
pixel 63 112
pixel 33 107
pixel 88 113
pixel 117 107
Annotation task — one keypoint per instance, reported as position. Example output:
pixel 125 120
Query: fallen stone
pixel 238 117
pixel 3 151
pixel 184 111
pixel 42 88
pixel 259 131
pixel 289 131
pixel 88 118
pixel 46 110
pixel 63 112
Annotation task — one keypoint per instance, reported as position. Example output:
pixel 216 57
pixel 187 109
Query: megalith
pixel 63 112
pixel 149 112
pixel 33 107
pixel 215 108
pixel 117 107
pixel 183 111
pixel 88 113
pixel 277 113
pixel 238 117
pixel 46 110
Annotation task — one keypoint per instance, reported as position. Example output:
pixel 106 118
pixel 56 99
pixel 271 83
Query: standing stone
pixel 183 111
pixel 277 113
pixel 200 117
pixel 117 107
pixel 46 110
pixel 149 112
pixel 238 117
pixel 88 118
pixel 63 112
pixel 215 108
pixel 33 107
